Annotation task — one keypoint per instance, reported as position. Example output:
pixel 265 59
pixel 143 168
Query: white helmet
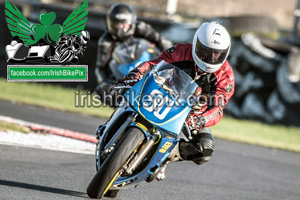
pixel 211 46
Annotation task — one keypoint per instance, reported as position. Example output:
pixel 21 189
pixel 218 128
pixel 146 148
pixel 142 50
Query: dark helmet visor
pixel 209 55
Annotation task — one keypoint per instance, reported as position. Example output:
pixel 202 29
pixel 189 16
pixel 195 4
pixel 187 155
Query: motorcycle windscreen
pixel 126 68
pixel 127 56
pixel 157 105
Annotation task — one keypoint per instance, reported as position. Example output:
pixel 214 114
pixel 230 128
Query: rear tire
pixel 113 165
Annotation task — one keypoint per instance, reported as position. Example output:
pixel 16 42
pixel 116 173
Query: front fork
pixel 151 139
pixel 140 155
pixel 101 132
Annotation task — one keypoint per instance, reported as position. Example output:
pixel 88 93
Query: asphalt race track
pixel 236 171
pixel 49 117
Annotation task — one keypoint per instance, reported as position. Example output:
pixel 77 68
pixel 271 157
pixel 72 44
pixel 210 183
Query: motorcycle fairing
pixel 166 113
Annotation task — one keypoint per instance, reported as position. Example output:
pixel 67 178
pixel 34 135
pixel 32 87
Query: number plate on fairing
pixel 157 106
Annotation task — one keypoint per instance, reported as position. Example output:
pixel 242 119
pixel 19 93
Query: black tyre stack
pixel 267 71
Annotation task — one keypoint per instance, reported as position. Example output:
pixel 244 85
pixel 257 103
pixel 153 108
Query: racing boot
pixel 161 175
pixel 175 154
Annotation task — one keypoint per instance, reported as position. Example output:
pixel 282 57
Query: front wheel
pixel 113 165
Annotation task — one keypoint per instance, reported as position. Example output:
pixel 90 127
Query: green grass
pixel 257 133
pixel 6 126
pixel 60 98
pixel 48 96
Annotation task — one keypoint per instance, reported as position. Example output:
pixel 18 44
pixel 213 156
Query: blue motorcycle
pixel 127 55
pixel 136 141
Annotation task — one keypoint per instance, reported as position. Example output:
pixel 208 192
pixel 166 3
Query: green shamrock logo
pixel 46 28
pixel 19 26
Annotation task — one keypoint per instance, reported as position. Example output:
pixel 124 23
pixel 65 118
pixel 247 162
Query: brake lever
pixel 119 88
pixel 188 131
pixel 122 87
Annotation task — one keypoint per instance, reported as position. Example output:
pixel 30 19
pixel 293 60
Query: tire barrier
pixel 294 66
pixel 267 78
pixel 260 25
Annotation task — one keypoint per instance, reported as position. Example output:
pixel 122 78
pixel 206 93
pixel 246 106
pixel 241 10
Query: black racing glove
pixel 132 78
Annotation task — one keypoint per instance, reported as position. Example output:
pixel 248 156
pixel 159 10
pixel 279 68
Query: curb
pixel 51 129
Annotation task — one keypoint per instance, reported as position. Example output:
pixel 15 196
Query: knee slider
pixel 201 160
pixel 206 142
pixel 202 157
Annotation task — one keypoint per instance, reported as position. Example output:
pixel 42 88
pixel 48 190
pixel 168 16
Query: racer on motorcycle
pixel 205 61
pixel 122 27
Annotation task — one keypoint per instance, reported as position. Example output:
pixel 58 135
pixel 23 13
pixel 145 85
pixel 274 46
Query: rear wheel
pixel 113 165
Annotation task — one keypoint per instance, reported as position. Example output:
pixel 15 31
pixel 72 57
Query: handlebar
pixel 126 84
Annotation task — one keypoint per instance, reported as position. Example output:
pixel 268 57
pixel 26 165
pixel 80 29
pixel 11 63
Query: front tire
pixel 114 163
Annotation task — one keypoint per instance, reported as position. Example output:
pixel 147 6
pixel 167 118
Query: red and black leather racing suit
pixel 217 88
